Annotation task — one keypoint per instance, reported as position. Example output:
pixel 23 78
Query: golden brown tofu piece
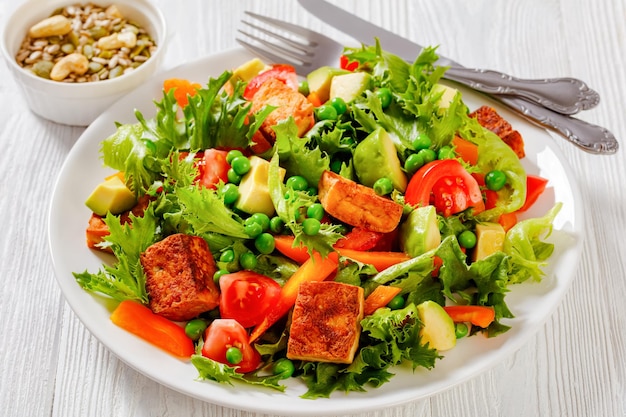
pixel 288 103
pixel 357 205
pixel 179 277
pixel 489 118
pixel 325 325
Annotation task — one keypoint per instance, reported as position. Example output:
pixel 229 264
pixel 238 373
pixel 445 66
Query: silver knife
pixel 591 138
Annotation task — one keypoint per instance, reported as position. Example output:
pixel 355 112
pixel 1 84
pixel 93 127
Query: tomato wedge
pixel 282 72
pixel 213 168
pixel 453 189
pixel 247 296
pixel 223 334
pixel 535 186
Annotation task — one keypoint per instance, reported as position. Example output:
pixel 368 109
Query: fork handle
pixel 563 95
pixel 589 137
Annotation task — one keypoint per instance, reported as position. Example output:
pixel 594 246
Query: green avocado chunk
pixel 438 327
pixel 112 196
pixel 420 231
pixel 319 81
pixel 376 157
pixel 349 86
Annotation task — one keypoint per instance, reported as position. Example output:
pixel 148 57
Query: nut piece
pixel 57 25
pixel 113 12
pixel 118 40
pixel 73 63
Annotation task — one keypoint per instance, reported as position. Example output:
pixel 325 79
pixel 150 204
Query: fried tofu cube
pixel 179 277
pixel 325 324
pixel 288 103
pixel 489 118
pixel 357 205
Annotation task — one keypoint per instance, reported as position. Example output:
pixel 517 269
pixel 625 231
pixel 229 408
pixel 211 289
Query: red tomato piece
pixel 247 296
pixel 223 334
pixel 213 168
pixel 282 72
pixel 344 63
pixel 535 186
pixel 452 187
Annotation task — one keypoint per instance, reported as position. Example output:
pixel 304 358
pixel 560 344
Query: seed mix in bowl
pixel 83 43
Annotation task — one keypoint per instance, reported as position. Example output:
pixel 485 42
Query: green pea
pixel 194 328
pixel 460 330
pixel 311 226
pixel 315 211
pixel 384 94
pixel 227 256
pixel 277 225
pixel 303 88
pixel 414 162
pixel 422 142
pixel 339 104
pixel 396 302
pixel 241 165
pixel 233 177
pixel 265 243
pixel 262 219
pixel 230 193
pixel 252 228
pixel 467 239
pixel 445 152
pixel 311 191
pixel 428 155
pixel 495 180
pixel 326 112
pixel 234 355
pixel 298 183
pixel 232 154
pixel 335 165
pixel 283 367
pixel 248 260
pixel 218 274
pixel 383 186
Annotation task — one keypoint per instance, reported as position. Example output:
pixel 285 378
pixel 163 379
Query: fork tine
pixel 294 44
pixel 298 55
pixel 301 68
pixel 290 27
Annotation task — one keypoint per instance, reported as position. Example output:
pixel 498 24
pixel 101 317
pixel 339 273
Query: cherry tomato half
pixel 213 168
pixel 247 296
pixel 453 189
pixel 223 334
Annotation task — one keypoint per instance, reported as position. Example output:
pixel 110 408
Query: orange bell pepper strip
pixel 380 260
pixel 380 297
pixel 141 321
pixel 467 150
pixel 481 316
pixel 314 99
pixel 314 269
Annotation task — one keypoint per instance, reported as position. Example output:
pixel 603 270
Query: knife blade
pixel 589 137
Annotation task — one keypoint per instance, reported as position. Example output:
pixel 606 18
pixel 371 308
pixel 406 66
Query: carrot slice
pixel 380 297
pixel 313 269
pixel 182 89
pixel 141 321
pixel 380 260
pixel 477 315
pixel 284 245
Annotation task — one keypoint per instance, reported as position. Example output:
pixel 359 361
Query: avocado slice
pixel 248 70
pixel 319 81
pixel 111 196
pixel 420 231
pixel 376 157
pixel 349 86
pixel 437 326
pixel 489 239
pixel 254 195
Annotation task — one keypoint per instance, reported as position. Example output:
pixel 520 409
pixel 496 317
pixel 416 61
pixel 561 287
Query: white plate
pixel 532 303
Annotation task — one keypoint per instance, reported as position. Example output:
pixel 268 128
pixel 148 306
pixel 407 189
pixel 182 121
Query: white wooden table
pixel 575 365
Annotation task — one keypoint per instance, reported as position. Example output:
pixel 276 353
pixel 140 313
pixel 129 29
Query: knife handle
pixel 589 137
pixel 563 95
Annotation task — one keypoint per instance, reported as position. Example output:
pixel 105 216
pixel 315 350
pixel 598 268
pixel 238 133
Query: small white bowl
pixel 78 104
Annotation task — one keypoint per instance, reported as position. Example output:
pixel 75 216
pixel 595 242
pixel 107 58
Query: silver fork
pixel 282 42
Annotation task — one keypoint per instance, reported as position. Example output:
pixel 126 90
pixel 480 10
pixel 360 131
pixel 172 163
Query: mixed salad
pixel 377 178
